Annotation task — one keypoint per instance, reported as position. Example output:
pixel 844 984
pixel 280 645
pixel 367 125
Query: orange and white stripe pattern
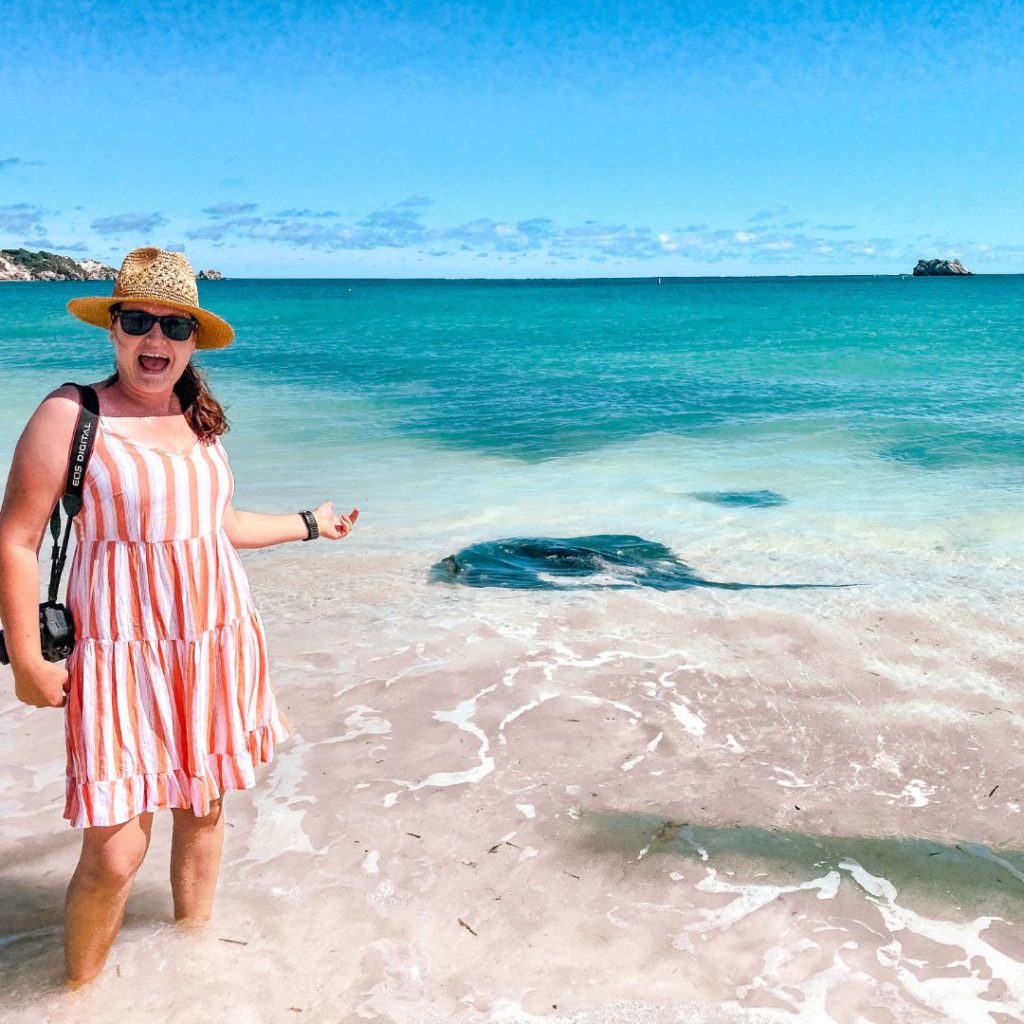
pixel 170 701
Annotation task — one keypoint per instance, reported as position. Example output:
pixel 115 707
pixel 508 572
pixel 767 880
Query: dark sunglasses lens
pixel 136 322
pixel 177 328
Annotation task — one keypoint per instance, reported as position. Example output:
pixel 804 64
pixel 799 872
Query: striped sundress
pixel 170 702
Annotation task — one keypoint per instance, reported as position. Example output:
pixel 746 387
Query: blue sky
pixel 520 139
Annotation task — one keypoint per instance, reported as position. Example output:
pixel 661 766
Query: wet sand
pixel 599 806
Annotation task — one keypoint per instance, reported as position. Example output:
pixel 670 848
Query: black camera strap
pixel 78 460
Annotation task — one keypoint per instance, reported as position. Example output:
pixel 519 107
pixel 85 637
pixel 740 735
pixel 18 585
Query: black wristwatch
pixel 312 530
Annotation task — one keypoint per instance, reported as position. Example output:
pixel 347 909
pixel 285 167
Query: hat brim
pixel 213 332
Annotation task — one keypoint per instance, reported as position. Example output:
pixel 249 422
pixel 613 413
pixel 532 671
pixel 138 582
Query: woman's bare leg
pixel 195 863
pixel 110 857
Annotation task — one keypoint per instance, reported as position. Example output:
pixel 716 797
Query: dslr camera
pixel 56 631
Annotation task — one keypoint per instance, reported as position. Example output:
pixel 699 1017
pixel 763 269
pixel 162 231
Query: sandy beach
pixel 673 356
pixel 591 806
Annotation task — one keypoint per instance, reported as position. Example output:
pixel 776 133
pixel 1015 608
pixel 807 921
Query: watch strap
pixel 312 530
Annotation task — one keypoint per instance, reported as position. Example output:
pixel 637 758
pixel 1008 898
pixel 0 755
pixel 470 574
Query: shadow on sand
pixel 32 932
pixel 968 875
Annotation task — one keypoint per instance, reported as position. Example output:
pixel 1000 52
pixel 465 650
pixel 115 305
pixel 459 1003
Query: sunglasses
pixel 137 322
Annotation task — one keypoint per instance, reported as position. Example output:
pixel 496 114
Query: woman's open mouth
pixel 152 363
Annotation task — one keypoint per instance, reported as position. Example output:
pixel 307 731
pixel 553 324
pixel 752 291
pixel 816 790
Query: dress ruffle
pixel 115 801
pixel 167 723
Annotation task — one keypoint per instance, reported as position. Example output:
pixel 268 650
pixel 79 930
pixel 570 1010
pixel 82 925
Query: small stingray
pixel 743 499
pixel 604 561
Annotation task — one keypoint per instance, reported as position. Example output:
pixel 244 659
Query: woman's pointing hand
pixel 331 525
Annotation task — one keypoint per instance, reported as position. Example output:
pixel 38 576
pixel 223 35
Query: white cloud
pixel 403 227
pixel 128 223
pixel 229 209
pixel 768 214
pixel 21 219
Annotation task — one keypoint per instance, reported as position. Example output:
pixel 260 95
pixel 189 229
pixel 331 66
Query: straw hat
pixel 155 275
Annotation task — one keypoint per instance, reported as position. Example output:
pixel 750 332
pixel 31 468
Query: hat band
pixel 155 293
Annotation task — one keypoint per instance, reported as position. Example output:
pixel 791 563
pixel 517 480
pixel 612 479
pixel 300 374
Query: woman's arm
pixel 258 530
pixel 35 484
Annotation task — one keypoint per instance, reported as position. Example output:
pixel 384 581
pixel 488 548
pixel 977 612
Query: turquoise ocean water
pixel 883 414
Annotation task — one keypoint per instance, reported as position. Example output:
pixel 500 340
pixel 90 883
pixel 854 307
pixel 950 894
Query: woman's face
pixel 150 363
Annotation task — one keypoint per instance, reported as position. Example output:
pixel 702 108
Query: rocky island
pixel 940 268
pixel 25 265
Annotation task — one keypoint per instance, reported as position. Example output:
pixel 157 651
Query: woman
pixel 167 698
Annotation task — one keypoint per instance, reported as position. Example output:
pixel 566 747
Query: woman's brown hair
pixel 205 415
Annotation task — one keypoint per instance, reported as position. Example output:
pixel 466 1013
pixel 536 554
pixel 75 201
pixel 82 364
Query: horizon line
pixel 625 277
pixel 659 278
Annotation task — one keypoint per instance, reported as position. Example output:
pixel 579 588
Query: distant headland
pixel 25 265
pixel 940 268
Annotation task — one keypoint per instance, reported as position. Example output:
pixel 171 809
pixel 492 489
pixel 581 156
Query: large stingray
pixel 608 561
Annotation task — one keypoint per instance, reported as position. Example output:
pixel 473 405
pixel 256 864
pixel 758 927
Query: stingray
pixel 602 561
